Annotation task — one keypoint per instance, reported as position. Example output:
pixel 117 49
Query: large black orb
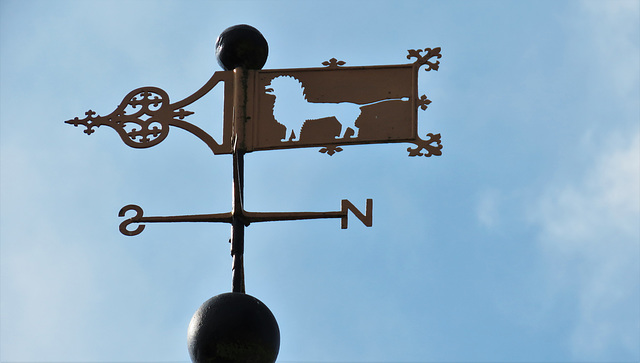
pixel 241 46
pixel 233 328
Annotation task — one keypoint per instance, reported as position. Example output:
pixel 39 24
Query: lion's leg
pixel 353 124
pixel 287 135
pixel 340 133
pixel 347 114
pixel 343 131
pixel 294 137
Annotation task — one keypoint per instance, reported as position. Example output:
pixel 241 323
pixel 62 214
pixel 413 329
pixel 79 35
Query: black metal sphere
pixel 241 46
pixel 233 328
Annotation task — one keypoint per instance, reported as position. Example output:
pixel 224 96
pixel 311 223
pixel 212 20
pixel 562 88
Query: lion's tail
pixel 387 100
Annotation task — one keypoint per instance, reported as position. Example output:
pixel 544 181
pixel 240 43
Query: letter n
pixel 366 219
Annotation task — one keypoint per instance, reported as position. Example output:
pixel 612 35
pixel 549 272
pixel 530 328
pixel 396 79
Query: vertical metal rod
pixel 237 223
pixel 237 206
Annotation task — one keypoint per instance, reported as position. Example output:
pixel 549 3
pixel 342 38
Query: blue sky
pixel 520 243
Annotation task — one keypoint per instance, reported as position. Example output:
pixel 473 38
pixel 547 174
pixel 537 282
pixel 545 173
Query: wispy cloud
pixel 589 219
pixel 590 235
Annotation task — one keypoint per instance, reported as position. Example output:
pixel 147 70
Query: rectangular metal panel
pixel 294 108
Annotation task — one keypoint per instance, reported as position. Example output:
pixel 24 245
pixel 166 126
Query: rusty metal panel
pixel 295 108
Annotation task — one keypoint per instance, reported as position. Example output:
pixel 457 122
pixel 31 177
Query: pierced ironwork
pixel 366 112
pixel 333 63
pixel 426 59
pixel 143 117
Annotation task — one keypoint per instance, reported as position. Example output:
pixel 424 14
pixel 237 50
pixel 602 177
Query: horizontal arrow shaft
pixel 246 217
pixel 290 216
pixel 217 217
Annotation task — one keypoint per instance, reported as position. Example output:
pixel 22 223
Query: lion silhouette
pixel 291 108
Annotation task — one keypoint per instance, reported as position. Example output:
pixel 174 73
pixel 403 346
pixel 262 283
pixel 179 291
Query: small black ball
pixel 233 328
pixel 241 46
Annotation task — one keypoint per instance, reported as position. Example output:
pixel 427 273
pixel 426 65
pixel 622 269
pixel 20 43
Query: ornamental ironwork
pixel 329 107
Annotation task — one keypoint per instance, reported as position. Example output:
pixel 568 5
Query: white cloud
pixel 590 223
pixel 590 235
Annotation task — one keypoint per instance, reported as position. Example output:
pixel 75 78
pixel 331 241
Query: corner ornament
pixel 427 145
pixel 426 59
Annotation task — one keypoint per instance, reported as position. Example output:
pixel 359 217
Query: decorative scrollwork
pixel 330 149
pixel 423 102
pixel 426 59
pixel 142 119
pixel 333 63
pixel 145 114
pixel 427 145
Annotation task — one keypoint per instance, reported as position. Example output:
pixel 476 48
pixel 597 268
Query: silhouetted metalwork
pixel 143 117
pixel 248 217
pixel 330 107
pixel 327 107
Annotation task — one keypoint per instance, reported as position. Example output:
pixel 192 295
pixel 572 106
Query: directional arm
pixel 140 219
pixel 366 219
pixel 248 217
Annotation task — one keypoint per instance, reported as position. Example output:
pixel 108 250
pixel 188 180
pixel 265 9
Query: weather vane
pixel 327 107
